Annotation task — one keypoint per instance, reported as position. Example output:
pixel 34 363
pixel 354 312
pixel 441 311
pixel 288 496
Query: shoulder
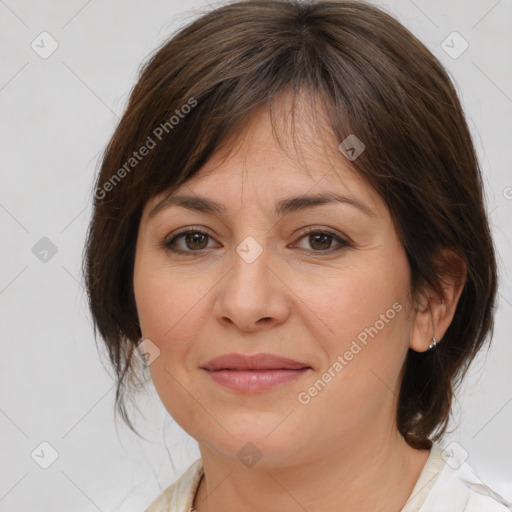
pixel 459 489
pixel 179 496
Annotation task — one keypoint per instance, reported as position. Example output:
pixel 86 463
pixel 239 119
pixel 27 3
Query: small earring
pixel 433 344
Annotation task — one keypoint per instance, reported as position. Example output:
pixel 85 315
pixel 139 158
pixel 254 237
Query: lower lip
pixel 253 381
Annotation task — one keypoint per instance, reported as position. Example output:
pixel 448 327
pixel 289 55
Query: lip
pixel 253 373
pixel 253 362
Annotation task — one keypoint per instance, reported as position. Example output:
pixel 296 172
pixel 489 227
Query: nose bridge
pixel 249 250
pixel 251 292
pixel 250 274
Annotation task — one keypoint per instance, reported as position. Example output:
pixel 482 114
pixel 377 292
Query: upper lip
pixel 253 362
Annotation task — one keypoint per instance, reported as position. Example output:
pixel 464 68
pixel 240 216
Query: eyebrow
pixel 283 207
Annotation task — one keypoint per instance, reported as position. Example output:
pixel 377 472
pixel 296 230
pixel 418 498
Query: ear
pixel 434 314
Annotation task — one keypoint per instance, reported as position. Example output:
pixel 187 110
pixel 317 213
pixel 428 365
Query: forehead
pixel 283 151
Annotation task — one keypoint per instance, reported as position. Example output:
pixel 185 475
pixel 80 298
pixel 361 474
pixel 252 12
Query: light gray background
pixel 57 116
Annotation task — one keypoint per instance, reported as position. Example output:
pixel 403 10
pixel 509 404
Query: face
pixel 318 292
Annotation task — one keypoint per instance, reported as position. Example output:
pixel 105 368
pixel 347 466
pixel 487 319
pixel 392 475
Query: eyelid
pixel 187 229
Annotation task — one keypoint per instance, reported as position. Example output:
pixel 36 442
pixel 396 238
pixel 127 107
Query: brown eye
pixel 196 241
pixel 322 241
pixel 189 241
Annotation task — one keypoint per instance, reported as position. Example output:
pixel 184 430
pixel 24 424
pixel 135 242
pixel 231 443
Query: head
pixel 254 104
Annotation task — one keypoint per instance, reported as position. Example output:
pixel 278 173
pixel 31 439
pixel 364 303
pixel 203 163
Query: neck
pixel 362 475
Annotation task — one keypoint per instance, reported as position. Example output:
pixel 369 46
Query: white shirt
pixel 447 483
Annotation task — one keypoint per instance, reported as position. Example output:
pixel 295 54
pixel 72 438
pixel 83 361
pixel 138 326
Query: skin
pixel 295 300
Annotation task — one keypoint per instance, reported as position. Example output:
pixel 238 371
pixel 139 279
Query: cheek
pixel 168 302
pixel 169 307
pixel 365 348
pixel 353 300
pixel 363 313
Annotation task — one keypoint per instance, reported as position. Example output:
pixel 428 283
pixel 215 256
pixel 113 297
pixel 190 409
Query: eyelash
pixel 167 244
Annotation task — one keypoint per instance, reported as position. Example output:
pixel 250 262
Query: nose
pixel 252 296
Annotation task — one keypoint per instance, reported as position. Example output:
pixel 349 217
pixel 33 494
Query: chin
pixel 254 442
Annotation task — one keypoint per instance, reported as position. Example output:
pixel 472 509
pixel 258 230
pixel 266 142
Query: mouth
pixel 254 373
pixel 256 362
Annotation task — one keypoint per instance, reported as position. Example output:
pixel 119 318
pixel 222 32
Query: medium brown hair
pixel 375 80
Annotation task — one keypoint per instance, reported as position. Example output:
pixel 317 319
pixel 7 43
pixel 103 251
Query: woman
pixel 284 228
